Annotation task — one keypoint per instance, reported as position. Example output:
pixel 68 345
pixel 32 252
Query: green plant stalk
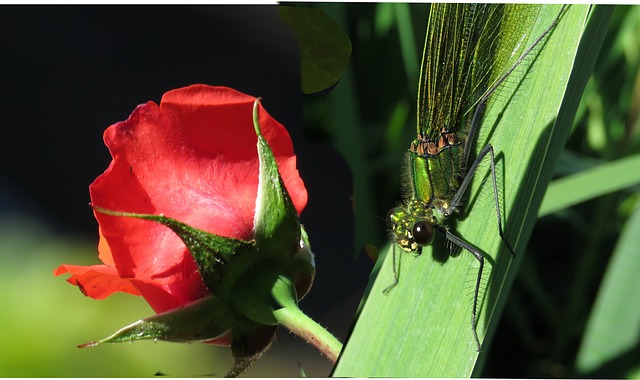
pixel 289 315
pixel 306 328
pixel 423 326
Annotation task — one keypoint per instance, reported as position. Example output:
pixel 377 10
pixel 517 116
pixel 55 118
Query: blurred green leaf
pixel 613 330
pixel 324 47
pixel 383 20
pixel 591 183
pixel 408 45
pixel 45 318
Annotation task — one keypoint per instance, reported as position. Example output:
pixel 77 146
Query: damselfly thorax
pixel 433 171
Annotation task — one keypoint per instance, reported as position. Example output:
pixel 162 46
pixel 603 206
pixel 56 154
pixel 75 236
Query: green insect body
pixel 431 182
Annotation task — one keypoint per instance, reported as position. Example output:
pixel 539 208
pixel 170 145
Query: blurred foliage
pixel 370 118
pixel 324 47
pixel 44 318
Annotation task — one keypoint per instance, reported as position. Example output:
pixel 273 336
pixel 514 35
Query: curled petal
pixel 96 281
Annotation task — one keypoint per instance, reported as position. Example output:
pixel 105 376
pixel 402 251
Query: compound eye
pixel 423 233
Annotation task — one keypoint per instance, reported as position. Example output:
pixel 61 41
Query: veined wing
pixel 467 48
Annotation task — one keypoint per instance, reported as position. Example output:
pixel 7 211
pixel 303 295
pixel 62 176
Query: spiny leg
pixel 467 181
pixel 495 197
pixel 476 253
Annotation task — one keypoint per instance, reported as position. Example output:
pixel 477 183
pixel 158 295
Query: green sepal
pixel 259 296
pixel 202 320
pixel 276 223
pixel 263 290
pixel 302 266
pixel 325 47
pixel 209 251
pixel 250 341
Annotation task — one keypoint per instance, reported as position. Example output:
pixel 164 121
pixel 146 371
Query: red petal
pixel 218 121
pixel 194 159
pixel 97 281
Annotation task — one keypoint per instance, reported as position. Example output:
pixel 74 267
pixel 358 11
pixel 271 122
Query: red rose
pixel 194 159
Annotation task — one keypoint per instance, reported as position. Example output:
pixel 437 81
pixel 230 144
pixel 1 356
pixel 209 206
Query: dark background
pixel 68 72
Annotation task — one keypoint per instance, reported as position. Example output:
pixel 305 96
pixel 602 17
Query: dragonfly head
pixel 409 231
